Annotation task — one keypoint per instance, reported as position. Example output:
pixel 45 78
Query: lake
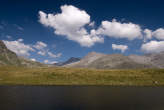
pixel 81 98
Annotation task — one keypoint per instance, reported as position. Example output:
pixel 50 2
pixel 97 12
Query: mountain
pixel 157 59
pixel 28 63
pixel 7 57
pixel 119 61
pixel 69 61
pixel 92 60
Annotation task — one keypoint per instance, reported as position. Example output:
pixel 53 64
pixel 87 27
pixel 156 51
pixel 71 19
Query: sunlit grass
pixel 73 76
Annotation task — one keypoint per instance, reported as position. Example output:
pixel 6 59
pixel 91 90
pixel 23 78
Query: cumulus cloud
pixel 71 23
pixel 19 47
pixel 22 49
pixel 122 48
pixel 40 45
pixel 147 34
pixel 46 52
pixel 120 30
pixel 153 47
pixel 92 24
pixel 159 34
pixel 33 59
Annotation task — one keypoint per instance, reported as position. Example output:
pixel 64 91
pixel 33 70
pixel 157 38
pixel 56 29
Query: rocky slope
pixel 7 57
pixel 69 61
pixel 119 61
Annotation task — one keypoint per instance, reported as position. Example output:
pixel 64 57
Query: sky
pixel 52 31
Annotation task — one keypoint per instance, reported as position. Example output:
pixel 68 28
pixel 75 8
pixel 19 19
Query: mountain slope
pixel 87 60
pixel 157 59
pixel 69 61
pixel 28 63
pixel 7 57
pixel 119 61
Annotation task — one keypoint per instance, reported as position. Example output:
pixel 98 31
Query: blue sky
pixel 74 28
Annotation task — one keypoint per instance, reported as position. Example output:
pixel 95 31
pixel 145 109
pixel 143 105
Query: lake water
pixel 81 98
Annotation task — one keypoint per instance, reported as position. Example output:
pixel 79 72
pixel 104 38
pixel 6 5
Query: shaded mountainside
pixel 7 57
pixel 119 61
pixel 69 61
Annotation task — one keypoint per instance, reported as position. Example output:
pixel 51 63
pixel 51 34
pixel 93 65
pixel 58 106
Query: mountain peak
pixel 69 61
pixel 73 58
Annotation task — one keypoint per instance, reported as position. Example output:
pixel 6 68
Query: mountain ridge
pixel 91 60
pixel 69 61
pixel 119 61
pixel 7 57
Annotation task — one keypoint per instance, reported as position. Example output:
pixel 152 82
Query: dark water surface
pixel 81 98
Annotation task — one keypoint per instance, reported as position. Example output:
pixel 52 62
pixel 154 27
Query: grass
pixel 70 76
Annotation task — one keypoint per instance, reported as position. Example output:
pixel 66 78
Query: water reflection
pixel 81 98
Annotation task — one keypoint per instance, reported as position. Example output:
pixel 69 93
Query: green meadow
pixel 76 76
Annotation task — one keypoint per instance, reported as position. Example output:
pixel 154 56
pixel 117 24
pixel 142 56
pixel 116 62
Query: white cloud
pixel 40 45
pixel 20 40
pixel 33 59
pixel 122 48
pixel 159 34
pixel 22 49
pixel 71 23
pixel 43 53
pixel 147 34
pixel 54 55
pixel 92 24
pixel 19 47
pixel 46 61
pixel 49 62
pixel 53 62
pixel 120 30
pixel 153 47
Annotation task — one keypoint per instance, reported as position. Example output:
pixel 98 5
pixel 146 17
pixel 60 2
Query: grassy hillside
pixel 70 76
